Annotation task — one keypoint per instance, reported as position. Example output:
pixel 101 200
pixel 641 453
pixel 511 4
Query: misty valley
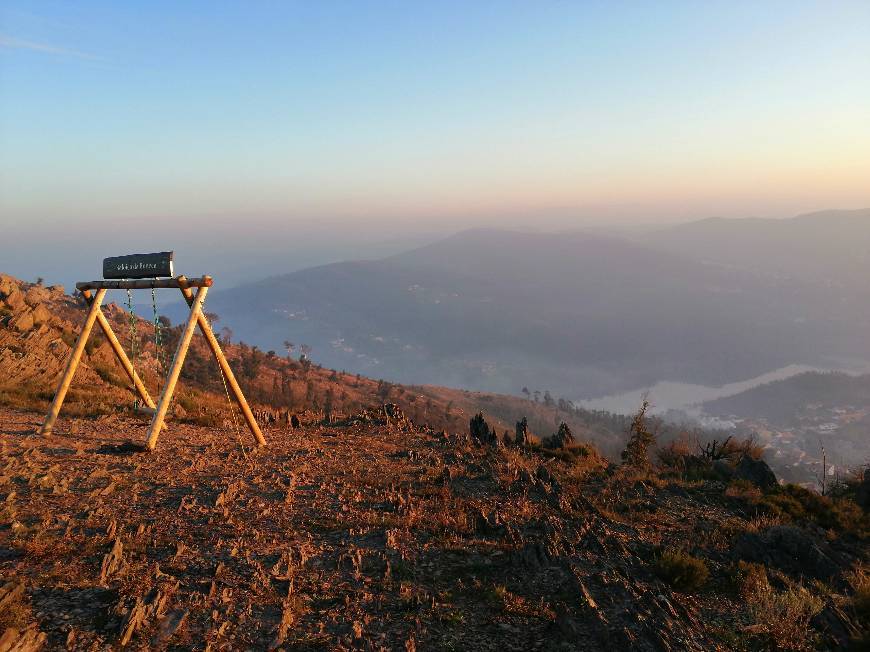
pixel 683 313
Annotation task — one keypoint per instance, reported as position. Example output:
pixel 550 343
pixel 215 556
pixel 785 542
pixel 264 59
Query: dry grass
pixel 859 580
pixel 16 613
pixel 782 618
pixel 750 580
pixel 763 522
pixel 744 490
pixel 500 598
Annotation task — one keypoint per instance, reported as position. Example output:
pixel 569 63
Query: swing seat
pixel 156 265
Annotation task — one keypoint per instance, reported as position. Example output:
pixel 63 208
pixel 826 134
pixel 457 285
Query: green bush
pixel 680 570
pixel 800 504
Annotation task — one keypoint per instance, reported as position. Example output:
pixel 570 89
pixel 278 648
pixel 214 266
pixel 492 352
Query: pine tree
pixel 636 453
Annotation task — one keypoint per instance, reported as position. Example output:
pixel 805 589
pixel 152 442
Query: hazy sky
pixel 263 113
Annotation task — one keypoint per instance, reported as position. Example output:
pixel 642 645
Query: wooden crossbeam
pixel 196 318
pixel 146 283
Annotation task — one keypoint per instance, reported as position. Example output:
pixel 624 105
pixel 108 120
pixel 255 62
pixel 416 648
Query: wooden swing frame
pixel 94 292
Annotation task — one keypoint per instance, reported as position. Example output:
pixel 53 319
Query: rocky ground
pixel 375 534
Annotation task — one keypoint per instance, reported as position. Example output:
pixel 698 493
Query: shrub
pixel 581 458
pixel 681 571
pixel 800 504
pixel 743 490
pixel 731 449
pixel 561 439
pixel 673 455
pixel 750 580
pixel 782 618
pixel 640 437
pixel 480 431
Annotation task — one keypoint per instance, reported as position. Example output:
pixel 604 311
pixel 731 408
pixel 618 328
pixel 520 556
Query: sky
pixel 260 121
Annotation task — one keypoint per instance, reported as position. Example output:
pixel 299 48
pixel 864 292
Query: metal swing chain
pixel 158 342
pixel 133 344
pixel 233 414
pixel 159 350
pixel 232 411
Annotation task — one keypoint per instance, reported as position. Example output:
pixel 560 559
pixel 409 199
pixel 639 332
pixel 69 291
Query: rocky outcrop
pixel 758 472
pixel 35 295
pixel 41 314
pixel 14 300
pixel 7 285
pixel 22 322
pixel 789 549
pixel 33 350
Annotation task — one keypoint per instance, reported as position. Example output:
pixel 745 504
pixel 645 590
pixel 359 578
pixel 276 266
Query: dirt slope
pixel 375 536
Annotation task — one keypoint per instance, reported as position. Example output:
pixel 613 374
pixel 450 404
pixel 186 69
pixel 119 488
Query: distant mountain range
pixel 827 247
pixel 580 314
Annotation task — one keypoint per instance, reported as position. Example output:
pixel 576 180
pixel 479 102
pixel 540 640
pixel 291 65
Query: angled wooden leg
pixel 214 345
pixel 120 354
pixel 175 369
pixel 73 363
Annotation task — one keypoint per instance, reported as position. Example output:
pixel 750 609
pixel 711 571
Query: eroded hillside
pixel 39 325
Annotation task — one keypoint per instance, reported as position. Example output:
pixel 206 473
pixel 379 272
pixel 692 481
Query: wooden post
pixel 73 363
pixel 175 369
pixel 120 354
pixel 205 329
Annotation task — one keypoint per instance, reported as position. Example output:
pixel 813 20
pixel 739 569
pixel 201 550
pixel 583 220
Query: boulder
pixel 757 472
pixel 789 549
pixel 723 470
pixel 8 285
pixel 15 300
pixel 22 322
pixel 41 314
pixel 35 295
